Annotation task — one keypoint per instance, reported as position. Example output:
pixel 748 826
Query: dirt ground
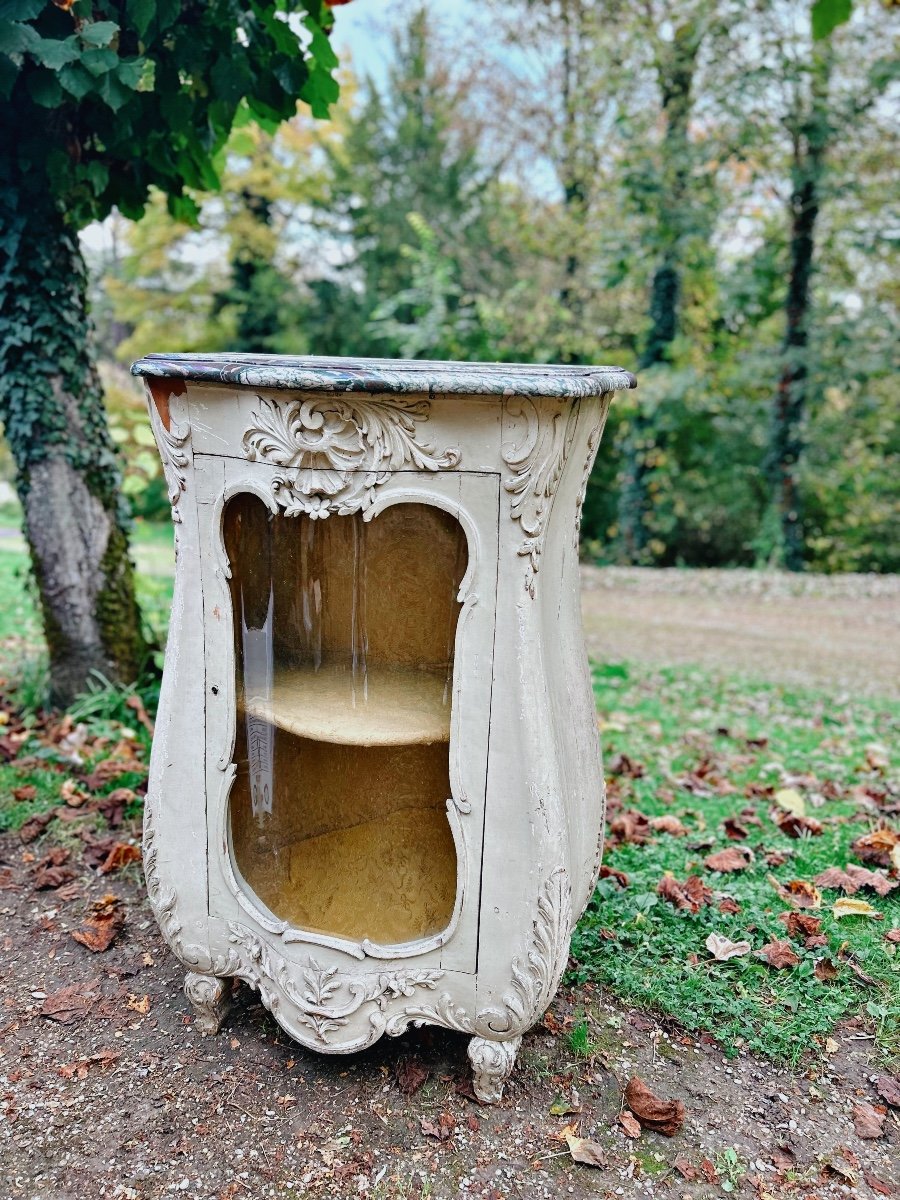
pixel 833 632
pixel 128 1100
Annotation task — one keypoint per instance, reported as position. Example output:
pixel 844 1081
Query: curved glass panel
pixel 344 637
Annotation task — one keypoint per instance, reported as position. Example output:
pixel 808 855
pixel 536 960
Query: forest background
pixel 700 192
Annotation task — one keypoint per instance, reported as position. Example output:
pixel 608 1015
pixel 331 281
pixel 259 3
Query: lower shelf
pixel 391 880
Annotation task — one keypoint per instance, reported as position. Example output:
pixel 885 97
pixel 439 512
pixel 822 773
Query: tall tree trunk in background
pixel 810 142
pixel 675 66
pixel 68 474
pixel 572 175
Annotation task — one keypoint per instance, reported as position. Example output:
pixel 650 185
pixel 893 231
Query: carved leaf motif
pixel 171 444
pixel 325 1000
pixel 534 981
pixel 336 451
pixel 537 465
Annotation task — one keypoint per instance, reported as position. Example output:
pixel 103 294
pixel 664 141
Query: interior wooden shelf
pixel 382 706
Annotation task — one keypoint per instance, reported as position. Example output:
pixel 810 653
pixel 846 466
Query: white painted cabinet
pixel 375 792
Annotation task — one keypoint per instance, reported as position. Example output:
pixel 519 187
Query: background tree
pixel 99 101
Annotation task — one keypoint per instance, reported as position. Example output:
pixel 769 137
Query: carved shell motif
pixel 337 451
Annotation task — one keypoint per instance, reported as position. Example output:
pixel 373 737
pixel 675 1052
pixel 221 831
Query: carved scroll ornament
pixel 336 451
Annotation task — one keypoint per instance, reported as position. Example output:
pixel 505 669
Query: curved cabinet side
pixel 175 847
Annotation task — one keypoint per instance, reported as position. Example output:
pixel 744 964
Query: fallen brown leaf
pixel 668 824
pixel 611 873
pixel 106 921
pixel 410 1075
pixel 121 855
pixel 798 893
pixel 729 905
pixel 629 1123
pixel 442 1129
pixel 26 792
pixel 794 826
pixel 892 935
pixel 51 872
pixel 737 832
pixel 731 859
pixel 800 924
pixel 867 1121
pixel 71 1002
pixel 878 1185
pixel 888 1088
pixel 877 846
pixel 662 1116
pixel 629 827
pixel 34 827
pixel 136 704
pixel 684 1169
pixel 621 764
pixel 778 954
pixel 825 970
pixel 72 794
pixel 691 895
pixel 591 1154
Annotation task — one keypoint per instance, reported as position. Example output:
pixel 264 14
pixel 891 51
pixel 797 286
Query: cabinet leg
pixel 492 1064
pixel 211 999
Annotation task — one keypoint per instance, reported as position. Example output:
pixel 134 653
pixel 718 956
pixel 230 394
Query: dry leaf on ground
pixel 691 895
pixel 825 970
pixel 731 859
pixel 799 893
pixel 629 1123
pixel 105 922
pixel 34 827
pixel 72 794
pixel 591 1154
pixel 845 907
pixel 662 1116
pixel 794 826
pixel 722 949
pixel 668 824
pixel 121 855
pixel 611 873
pixel 779 954
pixel 877 846
pixel 442 1129
pixel 791 801
pixel 867 1121
pixel 684 1169
pixel 629 827
pixel 410 1075
pixel 888 1088
pixel 72 1002
pixel 854 877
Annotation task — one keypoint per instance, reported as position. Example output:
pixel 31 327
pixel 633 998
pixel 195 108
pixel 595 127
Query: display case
pixel 375 790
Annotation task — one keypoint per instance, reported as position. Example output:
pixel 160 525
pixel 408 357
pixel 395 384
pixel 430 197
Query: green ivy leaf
pixel 20 10
pixel 16 38
pixel 141 13
pixel 98 175
pixel 8 73
pixel 55 53
pixel 99 62
pixel 44 89
pixel 99 33
pixel 76 80
pixel 131 72
pixel 827 15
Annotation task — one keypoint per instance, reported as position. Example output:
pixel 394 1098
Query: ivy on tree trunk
pixel 68 473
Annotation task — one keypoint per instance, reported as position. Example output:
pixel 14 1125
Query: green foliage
pixel 827 15
pixel 103 100
pixel 751 736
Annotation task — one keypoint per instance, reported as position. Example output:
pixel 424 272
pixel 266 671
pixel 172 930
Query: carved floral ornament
pixel 336 451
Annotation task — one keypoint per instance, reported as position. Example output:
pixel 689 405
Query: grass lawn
pixel 698 746
pixel 684 744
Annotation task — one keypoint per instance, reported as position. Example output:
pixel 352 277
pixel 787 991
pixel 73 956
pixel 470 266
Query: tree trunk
pixel 68 474
pixel 675 72
pixel 792 394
